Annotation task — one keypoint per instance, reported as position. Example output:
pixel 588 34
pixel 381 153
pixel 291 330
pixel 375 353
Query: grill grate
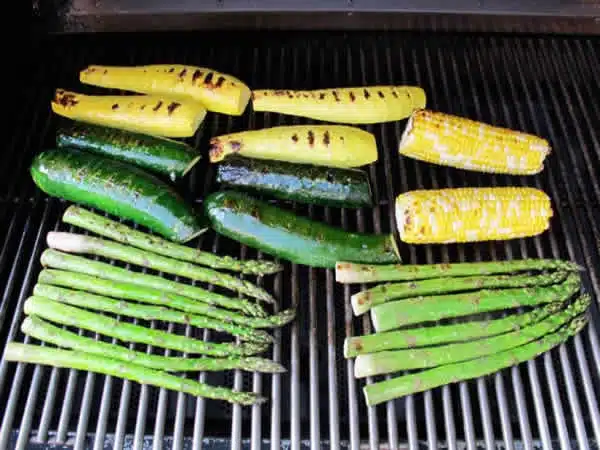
pixel 546 85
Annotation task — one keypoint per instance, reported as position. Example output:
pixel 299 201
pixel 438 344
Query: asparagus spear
pixel 77 317
pixel 55 357
pixel 79 243
pixel 392 388
pixel 396 360
pixel 79 264
pixel 146 312
pixel 130 291
pixel 45 331
pixel 365 300
pixel 347 272
pixel 106 227
pixel 443 334
pixel 392 315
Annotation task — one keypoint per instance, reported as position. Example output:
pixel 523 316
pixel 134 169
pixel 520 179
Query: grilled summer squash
pixel 217 91
pixel 353 105
pixel 471 214
pixel 320 145
pixel 149 114
pixel 454 141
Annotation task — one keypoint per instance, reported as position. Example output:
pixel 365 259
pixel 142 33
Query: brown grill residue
pixel 326 138
pixel 65 99
pixel 158 105
pixel 172 107
pixel 295 138
pixel 311 138
pixel 352 96
pixel 197 74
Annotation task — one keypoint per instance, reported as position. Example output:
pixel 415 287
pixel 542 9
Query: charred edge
pixel 326 138
pixel 197 74
pixel 220 81
pixel 336 96
pixel 182 73
pixel 65 99
pixel 208 78
pixel 352 97
pixel 295 138
pixel 115 106
pixel 311 138
pixel 380 94
pixel 158 105
pixel 172 107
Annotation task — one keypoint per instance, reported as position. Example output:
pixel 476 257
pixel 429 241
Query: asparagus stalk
pixel 392 315
pixel 130 291
pixel 45 331
pixel 347 272
pixel 58 260
pixel 81 244
pixel 146 312
pixel 392 388
pixel 419 358
pixel 55 357
pixel 443 334
pixel 106 227
pixel 77 317
pixel 365 300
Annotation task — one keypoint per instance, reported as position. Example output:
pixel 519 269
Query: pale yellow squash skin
pixel 353 105
pixel 321 145
pixel 149 114
pixel 218 92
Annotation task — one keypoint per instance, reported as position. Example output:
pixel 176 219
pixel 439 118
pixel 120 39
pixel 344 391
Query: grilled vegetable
pixel 356 105
pixel 369 273
pixel 426 336
pixel 390 389
pixel 364 300
pixel 76 317
pixel 157 115
pixel 418 358
pixel 471 214
pixel 58 260
pixel 321 145
pixel 117 188
pixel 305 183
pixel 36 354
pixel 44 331
pixel 217 91
pixel 297 239
pixel 215 319
pixel 130 291
pixel 160 155
pixel 80 243
pixel 116 231
pixel 393 315
pixel 453 141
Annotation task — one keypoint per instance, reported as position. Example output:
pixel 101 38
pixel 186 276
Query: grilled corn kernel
pixel 471 214
pixel 453 141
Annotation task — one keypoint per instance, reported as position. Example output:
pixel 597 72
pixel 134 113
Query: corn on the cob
pixel 149 114
pixel 321 145
pixel 454 141
pixel 354 105
pixel 471 214
pixel 217 91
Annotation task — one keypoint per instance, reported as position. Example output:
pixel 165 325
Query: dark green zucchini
pixel 161 155
pixel 299 182
pixel 298 239
pixel 117 188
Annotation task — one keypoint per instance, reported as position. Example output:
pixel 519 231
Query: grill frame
pixel 552 105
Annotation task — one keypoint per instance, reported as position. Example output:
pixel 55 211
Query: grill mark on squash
pixel 208 78
pixel 352 96
pixel 295 138
pixel 380 94
pixel 115 106
pixel 311 138
pixel 182 73
pixel 172 107
pixel 158 105
pixel 395 94
pixel 197 74
pixel 367 94
pixel 322 95
pixel 326 138
pixel 336 96
pixel 220 81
